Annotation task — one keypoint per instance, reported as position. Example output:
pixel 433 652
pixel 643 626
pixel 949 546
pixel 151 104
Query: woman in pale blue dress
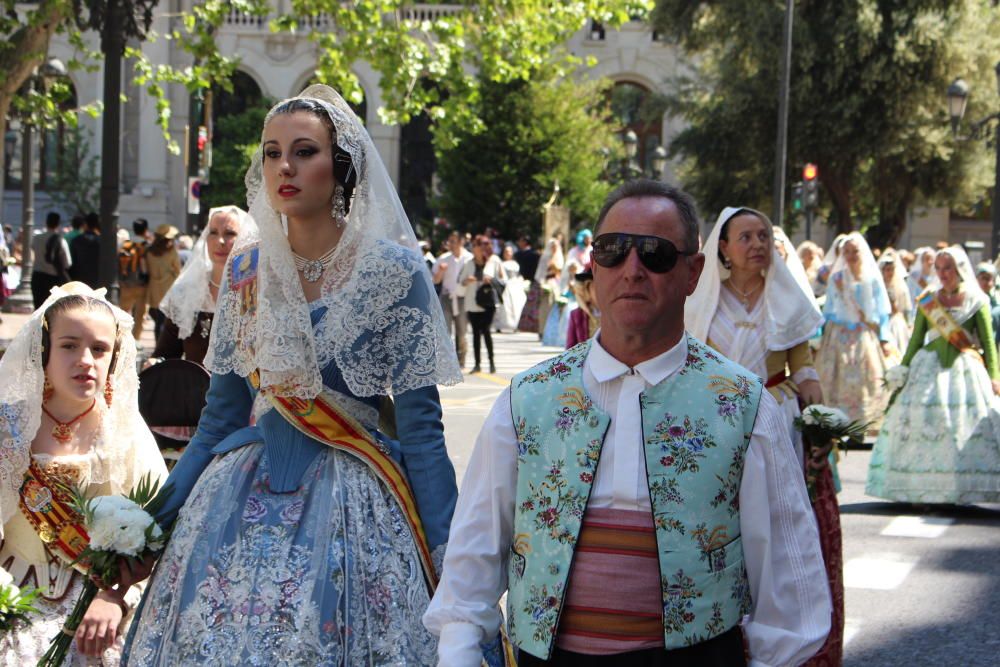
pixel 289 548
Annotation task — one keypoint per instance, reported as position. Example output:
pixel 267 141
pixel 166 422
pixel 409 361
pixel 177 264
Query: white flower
pixel 896 377
pixel 5 577
pixel 118 525
pixel 834 416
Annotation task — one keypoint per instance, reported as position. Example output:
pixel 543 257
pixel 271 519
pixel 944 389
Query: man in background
pixel 85 251
pixel 445 272
pixel 52 260
pixel 133 276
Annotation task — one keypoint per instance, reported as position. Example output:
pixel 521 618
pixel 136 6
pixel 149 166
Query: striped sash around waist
pixel 613 600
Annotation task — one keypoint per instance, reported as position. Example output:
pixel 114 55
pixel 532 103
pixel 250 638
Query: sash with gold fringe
pixel 323 420
pixel 944 323
pixel 49 509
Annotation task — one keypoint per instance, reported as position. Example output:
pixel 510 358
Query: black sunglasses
pixel 656 254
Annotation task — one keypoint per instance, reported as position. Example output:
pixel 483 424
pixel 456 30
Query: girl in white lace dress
pixel 68 415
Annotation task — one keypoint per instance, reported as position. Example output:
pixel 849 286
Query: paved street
pixel 922 586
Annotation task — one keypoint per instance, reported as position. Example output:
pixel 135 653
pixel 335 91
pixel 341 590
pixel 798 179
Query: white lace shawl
pixel 190 293
pixel 383 325
pixel 124 437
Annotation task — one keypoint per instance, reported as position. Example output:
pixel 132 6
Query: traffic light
pixel 797 197
pixel 810 185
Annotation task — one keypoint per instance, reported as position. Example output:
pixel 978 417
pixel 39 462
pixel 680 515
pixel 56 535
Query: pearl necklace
pixel 313 269
pixel 744 297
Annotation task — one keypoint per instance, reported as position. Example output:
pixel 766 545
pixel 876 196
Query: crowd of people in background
pixel 904 343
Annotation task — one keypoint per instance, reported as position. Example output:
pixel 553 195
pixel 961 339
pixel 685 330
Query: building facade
pixel 154 182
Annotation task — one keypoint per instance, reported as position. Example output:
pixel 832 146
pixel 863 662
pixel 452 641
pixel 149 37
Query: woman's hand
pixel 887 348
pixel 487 280
pixel 819 456
pixel 129 574
pixel 810 392
pixel 99 627
pixel 470 280
pixel 996 387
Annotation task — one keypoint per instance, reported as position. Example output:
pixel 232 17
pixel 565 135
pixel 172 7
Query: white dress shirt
pixel 790 616
pixel 453 266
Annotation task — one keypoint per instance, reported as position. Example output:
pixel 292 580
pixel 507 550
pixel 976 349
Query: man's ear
pixel 696 264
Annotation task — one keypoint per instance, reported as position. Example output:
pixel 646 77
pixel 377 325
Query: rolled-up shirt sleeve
pixel 464 609
pixel 790 618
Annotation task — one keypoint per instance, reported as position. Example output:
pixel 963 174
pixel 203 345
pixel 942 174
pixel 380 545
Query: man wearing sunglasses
pixel 637 496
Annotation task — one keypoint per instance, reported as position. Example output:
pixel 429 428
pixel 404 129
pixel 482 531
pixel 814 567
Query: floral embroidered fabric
pixel 326 575
pixel 941 438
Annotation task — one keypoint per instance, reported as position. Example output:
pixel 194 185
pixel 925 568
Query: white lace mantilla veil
pixel 383 326
pixel 792 314
pixel 874 295
pixel 898 290
pixel 792 260
pixel 833 252
pixel 190 295
pixel 975 297
pixel 124 436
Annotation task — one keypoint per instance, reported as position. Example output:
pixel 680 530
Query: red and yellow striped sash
pixel 939 318
pixel 322 420
pixel 49 510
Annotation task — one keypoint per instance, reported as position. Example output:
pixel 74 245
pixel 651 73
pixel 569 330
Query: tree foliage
pixel 529 136
pixel 76 185
pixel 867 102
pixel 237 139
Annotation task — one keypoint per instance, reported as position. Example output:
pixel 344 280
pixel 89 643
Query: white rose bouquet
pixel 822 427
pixel 15 604
pixel 120 528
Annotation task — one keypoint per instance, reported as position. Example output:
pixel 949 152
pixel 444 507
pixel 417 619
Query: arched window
pixel 246 93
pixel 51 144
pixel 632 105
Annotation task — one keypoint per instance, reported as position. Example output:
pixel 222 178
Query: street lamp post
pixel 958 97
pixel 116 21
pixel 21 300
pixel 629 168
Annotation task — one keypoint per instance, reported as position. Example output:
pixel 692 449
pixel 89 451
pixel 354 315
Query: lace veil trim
pixel 124 437
pixel 383 324
pixel 190 293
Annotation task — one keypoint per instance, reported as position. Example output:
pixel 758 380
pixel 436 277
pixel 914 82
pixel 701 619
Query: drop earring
pixel 47 390
pixel 339 212
pixel 726 262
pixel 109 392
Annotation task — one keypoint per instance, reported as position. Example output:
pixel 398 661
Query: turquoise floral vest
pixel 696 428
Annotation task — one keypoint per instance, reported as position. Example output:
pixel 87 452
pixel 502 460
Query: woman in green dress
pixel 940 442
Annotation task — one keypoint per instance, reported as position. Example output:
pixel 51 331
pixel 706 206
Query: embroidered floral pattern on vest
pixel 682 441
pixel 732 395
pixel 696 426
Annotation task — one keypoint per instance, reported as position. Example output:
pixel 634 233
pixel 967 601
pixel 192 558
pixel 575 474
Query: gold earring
pixel 109 392
pixel 47 390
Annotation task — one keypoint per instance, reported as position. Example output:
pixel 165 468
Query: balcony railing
pixel 245 21
pixel 424 12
